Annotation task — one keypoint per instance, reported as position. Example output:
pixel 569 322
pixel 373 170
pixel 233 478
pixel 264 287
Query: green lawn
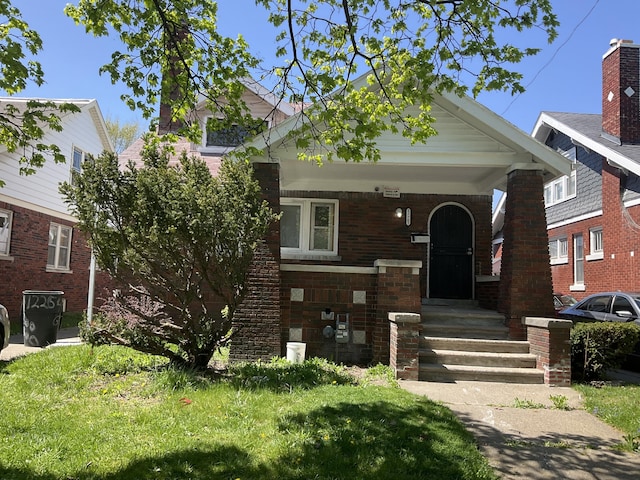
pixel 111 413
pixel 618 406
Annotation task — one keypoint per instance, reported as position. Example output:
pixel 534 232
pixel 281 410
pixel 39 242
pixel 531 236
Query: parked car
pixel 4 327
pixel 562 301
pixel 609 307
pixel 605 307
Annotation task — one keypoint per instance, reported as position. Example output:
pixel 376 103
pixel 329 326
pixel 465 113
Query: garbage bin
pixel 296 351
pixel 41 316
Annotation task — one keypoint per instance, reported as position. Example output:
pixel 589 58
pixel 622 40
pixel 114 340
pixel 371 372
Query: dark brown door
pixel 451 254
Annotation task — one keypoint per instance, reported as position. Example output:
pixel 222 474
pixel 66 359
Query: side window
pixel 597 304
pixel 596 251
pixel 559 250
pixel 621 304
pixel 78 156
pixel 6 221
pixel 59 247
pixel 230 136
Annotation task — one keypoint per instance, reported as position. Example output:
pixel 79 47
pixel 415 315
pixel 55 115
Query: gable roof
pixel 89 105
pixel 585 129
pixel 474 150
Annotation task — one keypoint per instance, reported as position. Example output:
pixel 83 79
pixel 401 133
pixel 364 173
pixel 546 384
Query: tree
pixel 410 48
pixel 122 136
pixel 24 125
pixel 179 240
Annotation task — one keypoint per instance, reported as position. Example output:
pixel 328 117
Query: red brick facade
pixel 619 267
pixel 26 267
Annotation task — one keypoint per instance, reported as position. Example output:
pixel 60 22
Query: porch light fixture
pixel 407 215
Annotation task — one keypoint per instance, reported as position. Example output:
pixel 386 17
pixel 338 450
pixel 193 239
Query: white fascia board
pixel 615 157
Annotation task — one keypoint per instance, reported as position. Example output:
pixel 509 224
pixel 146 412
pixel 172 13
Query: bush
pixel 599 346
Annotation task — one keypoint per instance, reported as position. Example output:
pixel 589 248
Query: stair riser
pixel 478 360
pixel 450 331
pixel 481 377
pixel 469 345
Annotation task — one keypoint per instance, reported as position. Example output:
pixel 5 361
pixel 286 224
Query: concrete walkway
pixel 16 348
pixel 534 443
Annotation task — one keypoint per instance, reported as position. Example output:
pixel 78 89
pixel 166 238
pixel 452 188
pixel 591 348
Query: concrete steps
pixel 463 342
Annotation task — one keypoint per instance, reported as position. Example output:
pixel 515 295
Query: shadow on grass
pixel 376 440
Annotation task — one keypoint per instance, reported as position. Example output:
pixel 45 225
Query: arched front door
pixel 451 253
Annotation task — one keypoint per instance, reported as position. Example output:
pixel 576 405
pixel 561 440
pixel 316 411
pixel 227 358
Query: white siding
pixel 41 189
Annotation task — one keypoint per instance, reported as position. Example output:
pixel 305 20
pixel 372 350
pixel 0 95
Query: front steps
pixel 463 342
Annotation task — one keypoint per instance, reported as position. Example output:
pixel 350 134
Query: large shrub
pixel 599 346
pixel 178 241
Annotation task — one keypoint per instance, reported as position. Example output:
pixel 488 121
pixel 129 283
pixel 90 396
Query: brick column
pixel 257 320
pixel 550 342
pixel 525 276
pixel 404 343
pixel 398 291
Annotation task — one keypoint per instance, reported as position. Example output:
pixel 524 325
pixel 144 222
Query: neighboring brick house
pixel 593 214
pixel 39 247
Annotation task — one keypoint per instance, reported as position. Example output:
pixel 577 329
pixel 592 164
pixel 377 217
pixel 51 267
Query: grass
pixel 618 406
pixel 111 413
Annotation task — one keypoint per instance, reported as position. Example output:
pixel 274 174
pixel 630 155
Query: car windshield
pixel 567 300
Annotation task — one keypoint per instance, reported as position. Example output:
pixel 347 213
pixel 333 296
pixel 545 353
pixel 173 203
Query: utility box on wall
pixel 342 328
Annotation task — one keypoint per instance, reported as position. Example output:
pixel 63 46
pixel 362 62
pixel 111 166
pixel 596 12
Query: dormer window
pixel 223 138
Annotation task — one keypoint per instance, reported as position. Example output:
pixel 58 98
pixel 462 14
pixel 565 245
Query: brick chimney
pixel 621 92
pixel 170 88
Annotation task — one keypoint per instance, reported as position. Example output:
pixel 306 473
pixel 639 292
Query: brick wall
pixel 525 275
pixel 26 268
pixel 305 295
pixel 257 320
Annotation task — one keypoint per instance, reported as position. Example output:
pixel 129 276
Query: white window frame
pixel 77 168
pixel 562 188
pixel 561 250
pixel 596 250
pixel 578 264
pixel 6 225
pixel 61 262
pixel 305 240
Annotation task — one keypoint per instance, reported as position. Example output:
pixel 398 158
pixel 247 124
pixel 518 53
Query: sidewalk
pixel 534 443
pixel 16 348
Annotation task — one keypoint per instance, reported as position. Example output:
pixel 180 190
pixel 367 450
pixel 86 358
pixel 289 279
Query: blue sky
pixel 566 76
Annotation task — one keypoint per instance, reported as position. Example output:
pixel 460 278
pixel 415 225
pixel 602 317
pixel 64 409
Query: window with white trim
pixel 578 260
pixel 596 251
pixel 562 188
pixel 6 221
pixel 77 158
pixel 59 247
pixel 559 250
pixel 309 226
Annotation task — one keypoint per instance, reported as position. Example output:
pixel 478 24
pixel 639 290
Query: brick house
pixel 359 241
pixel 39 247
pixel 593 214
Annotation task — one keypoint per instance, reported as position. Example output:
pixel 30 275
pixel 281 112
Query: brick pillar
pixel 398 291
pixel 550 342
pixel 404 344
pixel 526 288
pixel 257 320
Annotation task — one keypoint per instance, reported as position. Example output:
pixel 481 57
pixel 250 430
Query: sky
pixel 564 77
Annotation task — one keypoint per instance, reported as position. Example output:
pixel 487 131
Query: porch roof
pixel 474 150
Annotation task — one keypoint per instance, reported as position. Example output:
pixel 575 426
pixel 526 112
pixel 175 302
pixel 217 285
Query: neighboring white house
pixel 39 247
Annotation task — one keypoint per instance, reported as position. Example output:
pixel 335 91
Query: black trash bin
pixel 41 316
